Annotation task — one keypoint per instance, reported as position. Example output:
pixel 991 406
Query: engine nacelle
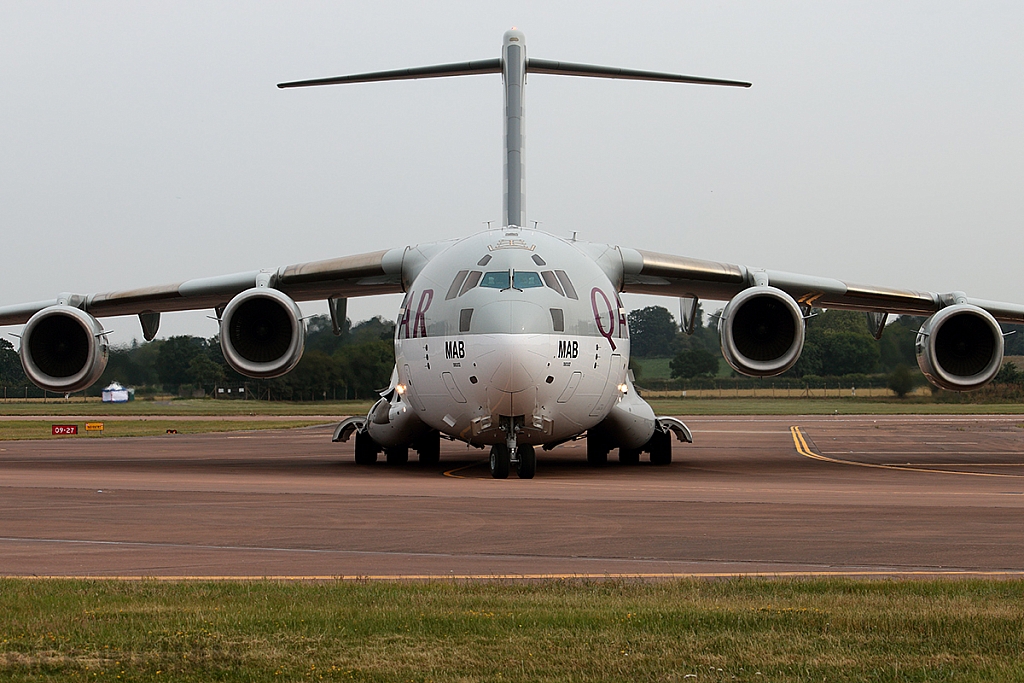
pixel 262 333
pixel 960 348
pixel 762 332
pixel 63 349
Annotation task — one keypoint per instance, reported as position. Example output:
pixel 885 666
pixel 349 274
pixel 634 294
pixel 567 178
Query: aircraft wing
pixel 647 272
pixel 378 272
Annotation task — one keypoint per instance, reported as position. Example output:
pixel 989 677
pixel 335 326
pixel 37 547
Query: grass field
pixel 658 368
pixel 743 630
pixel 183 407
pixel 664 405
pixel 11 430
pixel 825 406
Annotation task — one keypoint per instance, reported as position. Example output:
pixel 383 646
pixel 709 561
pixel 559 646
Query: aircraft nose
pixel 512 317
pixel 521 366
pixel 519 330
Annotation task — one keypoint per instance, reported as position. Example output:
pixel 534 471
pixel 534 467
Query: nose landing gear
pixel 504 455
pixel 500 461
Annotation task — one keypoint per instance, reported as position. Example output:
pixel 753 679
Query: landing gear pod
pixel 960 348
pixel 762 332
pixel 261 333
pixel 63 349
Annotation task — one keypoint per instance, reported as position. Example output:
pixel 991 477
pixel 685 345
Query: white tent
pixel 116 393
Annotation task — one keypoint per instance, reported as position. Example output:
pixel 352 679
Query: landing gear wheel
pixel 499 461
pixel 527 465
pixel 597 452
pixel 397 456
pixel 429 448
pixel 366 449
pixel 629 456
pixel 661 448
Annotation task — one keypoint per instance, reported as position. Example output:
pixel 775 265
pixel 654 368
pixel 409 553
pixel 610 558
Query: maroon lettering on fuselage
pixel 419 321
pixel 609 331
pixel 419 324
pixel 403 324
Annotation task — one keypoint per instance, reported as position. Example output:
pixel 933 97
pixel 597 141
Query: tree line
pixel 837 344
pixel 353 365
pixel 359 362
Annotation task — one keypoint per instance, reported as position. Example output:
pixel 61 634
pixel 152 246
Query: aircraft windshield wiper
pixel 511 281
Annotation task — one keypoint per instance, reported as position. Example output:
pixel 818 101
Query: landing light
pixel 623 388
pixel 400 388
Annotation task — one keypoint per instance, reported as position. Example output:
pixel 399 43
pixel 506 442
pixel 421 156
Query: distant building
pixel 231 392
pixel 116 393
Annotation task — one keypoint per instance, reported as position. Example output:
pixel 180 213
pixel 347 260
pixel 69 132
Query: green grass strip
pixel 76 406
pixel 825 406
pixel 11 430
pixel 662 406
pixel 742 629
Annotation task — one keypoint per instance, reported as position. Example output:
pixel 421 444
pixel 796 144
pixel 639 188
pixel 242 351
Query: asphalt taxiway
pixel 864 495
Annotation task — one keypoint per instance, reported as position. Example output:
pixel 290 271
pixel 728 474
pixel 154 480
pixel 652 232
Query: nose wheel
pixel 505 455
pixel 501 461
pixel 526 464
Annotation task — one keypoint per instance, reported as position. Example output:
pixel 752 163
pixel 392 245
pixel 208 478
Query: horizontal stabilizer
pixel 545 66
pixel 482 66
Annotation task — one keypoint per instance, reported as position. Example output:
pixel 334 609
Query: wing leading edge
pixel 378 272
pixel 647 272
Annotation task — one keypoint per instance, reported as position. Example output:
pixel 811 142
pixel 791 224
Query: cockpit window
pixel 527 280
pixel 538 260
pixel 471 281
pixel 551 281
pixel 485 260
pixel 453 291
pixel 570 291
pixel 523 279
pixel 495 280
pixel 557 319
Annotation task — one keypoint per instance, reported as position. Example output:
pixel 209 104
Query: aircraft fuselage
pixel 512 323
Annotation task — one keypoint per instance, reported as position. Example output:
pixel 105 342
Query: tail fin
pixel 514 65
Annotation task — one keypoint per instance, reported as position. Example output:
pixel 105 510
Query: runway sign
pixel 64 430
pixel 94 426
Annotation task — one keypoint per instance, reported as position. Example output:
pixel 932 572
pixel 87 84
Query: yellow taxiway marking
pixel 451 473
pixel 947 573
pixel 803 449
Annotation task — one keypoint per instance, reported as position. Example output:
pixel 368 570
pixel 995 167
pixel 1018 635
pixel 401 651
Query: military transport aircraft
pixel 511 338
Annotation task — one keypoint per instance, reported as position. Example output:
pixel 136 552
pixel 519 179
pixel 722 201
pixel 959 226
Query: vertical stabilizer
pixel 513 66
pixel 513 73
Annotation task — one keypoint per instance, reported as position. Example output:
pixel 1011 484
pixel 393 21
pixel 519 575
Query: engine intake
pixel 762 332
pixel 261 333
pixel 960 348
pixel 63 349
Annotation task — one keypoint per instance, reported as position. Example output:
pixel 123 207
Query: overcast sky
pixel 145 143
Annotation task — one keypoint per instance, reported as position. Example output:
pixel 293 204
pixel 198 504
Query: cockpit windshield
pixel 526 280
pixel 523 279
pixel 495 280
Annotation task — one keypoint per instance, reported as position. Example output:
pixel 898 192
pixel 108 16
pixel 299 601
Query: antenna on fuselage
pixel 513 65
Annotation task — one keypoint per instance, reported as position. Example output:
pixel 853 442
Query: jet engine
pixel 762 332
pixel 262 333
pixel 960 348
pixel 63 349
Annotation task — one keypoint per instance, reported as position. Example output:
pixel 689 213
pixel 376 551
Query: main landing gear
pixel 428 446
pixel 504 455
pixel 659 445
